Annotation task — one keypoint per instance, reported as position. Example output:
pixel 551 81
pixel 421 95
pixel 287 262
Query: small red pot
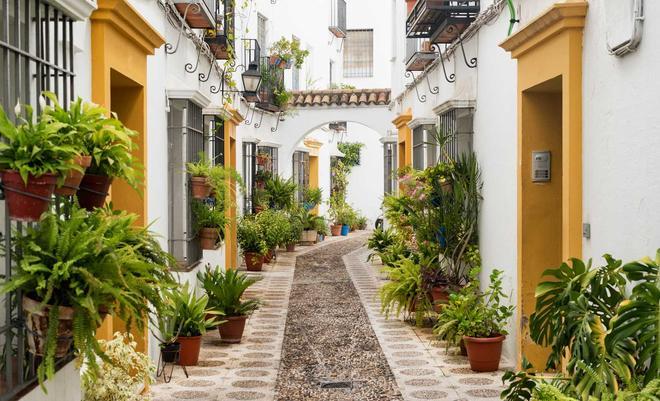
pixel 440 296
pixel 93 191
pixel 208 237
pixel 254 261
pixel 27 202
pixel 335 230
pixel 484 353
pixel 74 177
pixel 189 352
pixel 291 247
pixel 231 331
pixel 200 187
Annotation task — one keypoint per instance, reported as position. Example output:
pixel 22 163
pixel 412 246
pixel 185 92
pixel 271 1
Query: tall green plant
pixel 225 289
pixel 192 312
pixel 281 192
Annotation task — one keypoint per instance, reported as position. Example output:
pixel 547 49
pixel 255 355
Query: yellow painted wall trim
pixel 235 116
pixel 559 17
pixel 128 21
pixel 403 119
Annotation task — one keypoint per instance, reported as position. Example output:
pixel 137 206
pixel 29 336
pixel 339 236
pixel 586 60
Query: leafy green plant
pixel 208 216
pixel 309 220
pixel 192 312
pixel 35 149
pixel 249 235
pixel 281 192
pixel 312 196
pixel 351 151
pixel 403 293
pixel 289 51
pixel 122 377
pixel 165 326
pixel 91 262
pixel 226 183
pixel 201 168
pixel 274 226
pixel 225 289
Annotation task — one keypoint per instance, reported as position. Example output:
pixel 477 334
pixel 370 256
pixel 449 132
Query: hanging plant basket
pixel 208 238
pixel 231 331
pixel 74 177
pixel 93 191
pixel 26 202
pixel 37 323
pixel 200 187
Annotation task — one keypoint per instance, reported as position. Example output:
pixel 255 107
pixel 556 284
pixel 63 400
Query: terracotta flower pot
pixel 170 352
pixel 335 230
pixel 291 247
pixel 37 323
pixel 439 296
pixel 231 331
pixel 254 261
pixel 484 353
pixel 27 202
pixel 200 187
pixel 93 190
pixel 189 352
pixel 74 177
pixel 208 237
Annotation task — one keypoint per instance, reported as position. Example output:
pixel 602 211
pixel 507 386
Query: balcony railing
pixel 272 81
pixel 418 54
pixel 338 18
pixel 220 38
pixel 441 21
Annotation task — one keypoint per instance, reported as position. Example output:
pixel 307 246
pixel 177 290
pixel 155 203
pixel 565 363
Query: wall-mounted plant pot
pixel 345 229
pixel 308 237
pixel 27 202
pixel 200 187
pixel 484 353
pixel 189 352
pixel 37 324
pixel 93 191
pixel 291 247
pixel 231 331
pixel 208 238
pixel 335 230
pixel 170 352
pixel 254 261
pixel 74 177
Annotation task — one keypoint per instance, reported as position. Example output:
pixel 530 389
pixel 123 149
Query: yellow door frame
pixel 549 54
pixel 234 118
pixel 121 41
pixel 314 148
pixel 404 138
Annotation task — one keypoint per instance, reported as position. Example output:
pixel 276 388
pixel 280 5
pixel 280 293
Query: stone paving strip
pixel 421 366
pixel 245 371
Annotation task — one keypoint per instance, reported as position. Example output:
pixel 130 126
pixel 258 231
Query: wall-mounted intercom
pixel 541 162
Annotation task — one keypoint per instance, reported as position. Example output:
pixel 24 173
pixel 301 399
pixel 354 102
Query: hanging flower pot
pixel 26 202
pixel 254 261
pixel 484 353
pixel 170 352
pixel 200 187
pixel 74 177
pixel 335 230
pixel 189 352
pixel 231 331
pixel 37 324
pixel 93 191
pixel 208 237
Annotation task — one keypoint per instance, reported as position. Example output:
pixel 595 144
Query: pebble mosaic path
pixel 419 369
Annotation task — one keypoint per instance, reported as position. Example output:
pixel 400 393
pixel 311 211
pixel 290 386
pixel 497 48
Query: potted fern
pixel 225 289
pixel 281 192
pixel 200 185
pixel 250 239
pixel 194 317
pixel 73 272
pixel 312 197
pixel 33 157
pixel 210 222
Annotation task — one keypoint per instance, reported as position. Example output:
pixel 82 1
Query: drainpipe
pixel 631 44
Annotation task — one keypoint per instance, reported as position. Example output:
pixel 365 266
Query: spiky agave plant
pixel 225 289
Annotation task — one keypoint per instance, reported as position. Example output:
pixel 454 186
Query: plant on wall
pixel 286 52
pixel 351 151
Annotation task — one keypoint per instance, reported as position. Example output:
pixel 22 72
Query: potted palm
pixel 250 239
pixel 293 233
pixel 194 317
pixel 482 326
pixel 335 211
pixel 73 272
pixel 200 185
pixel 210 222
pixel 168 330
pixel 225 289
pixel 32 159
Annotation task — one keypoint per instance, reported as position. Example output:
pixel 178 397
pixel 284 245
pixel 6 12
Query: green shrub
pixel 249 235
pixel 225 290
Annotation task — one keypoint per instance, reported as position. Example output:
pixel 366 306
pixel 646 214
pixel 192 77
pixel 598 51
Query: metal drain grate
pixel 343 385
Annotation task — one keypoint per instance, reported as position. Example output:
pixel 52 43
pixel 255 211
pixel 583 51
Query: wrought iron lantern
pixel 251 82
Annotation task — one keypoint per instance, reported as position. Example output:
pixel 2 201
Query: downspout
pixel 631 44
pixel 512 13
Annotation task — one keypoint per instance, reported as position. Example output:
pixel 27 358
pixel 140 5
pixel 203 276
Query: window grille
pixel 425 147
pixel 261 31
pixel 359 53
pixel 300 173
pixel 390 158
pixel 36 54
pixel 214 127
pixel 270 163
pixel 457 123
pixel 186 140
pixel 249 175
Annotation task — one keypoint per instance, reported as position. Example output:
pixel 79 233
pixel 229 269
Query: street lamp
pixel 251 82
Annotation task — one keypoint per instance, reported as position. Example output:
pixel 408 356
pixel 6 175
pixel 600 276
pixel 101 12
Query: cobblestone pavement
pixel 396 361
